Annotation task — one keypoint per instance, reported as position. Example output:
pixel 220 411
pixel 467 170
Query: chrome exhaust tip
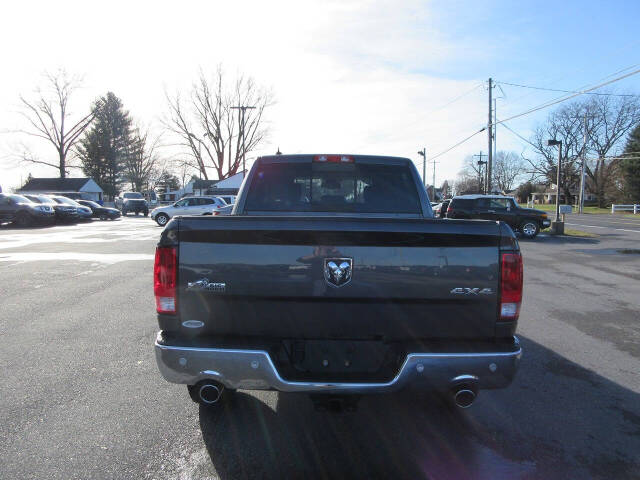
pixel 464 397
pixel 209 393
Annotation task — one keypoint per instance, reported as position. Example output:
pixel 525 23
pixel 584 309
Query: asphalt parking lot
pixel 81 396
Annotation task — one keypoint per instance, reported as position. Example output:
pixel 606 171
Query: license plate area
pixel 337 360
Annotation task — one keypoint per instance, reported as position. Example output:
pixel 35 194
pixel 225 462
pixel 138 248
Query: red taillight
pixel 449 210
pixel 333 158
pixel 165 275
pixel 510 286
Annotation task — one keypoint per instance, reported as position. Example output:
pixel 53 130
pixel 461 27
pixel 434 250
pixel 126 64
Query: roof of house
pixel 234 181
pixel 56 184
pixel 473 196
pixel 202 184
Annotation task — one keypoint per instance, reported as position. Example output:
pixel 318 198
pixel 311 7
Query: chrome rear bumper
pixel 254 370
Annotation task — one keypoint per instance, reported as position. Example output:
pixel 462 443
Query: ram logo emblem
pixel 338 271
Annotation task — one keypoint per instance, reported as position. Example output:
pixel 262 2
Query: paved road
pixel 597 223
pixel 80 395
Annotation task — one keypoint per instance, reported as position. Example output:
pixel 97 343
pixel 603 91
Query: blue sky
pixel 349 76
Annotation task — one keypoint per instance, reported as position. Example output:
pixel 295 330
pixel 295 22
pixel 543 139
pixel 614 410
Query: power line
pixel 540 107
pixel 459 143
pixel 598 80
pixel 564 99
pixel 456 99
pixel 517 134
pixel 568 91
pixel 607 157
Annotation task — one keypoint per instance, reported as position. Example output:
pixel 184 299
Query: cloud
pixel 359 77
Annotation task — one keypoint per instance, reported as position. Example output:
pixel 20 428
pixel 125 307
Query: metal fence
pixel 635 208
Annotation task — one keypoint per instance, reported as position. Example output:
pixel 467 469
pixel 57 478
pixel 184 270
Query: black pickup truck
pixel 331 276
pixel 527 221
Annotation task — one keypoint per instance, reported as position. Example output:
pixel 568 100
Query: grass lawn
pixel 597 210
pixel 578 233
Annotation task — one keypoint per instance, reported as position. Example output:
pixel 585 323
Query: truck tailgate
pixel 408 278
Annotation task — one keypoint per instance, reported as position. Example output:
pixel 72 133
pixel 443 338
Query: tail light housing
pixel 510 286
pixel 165 276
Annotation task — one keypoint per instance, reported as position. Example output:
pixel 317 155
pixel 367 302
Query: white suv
pixel 187 206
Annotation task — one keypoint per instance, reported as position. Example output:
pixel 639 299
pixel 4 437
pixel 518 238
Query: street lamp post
pixel 557 226
pixel 482 181
pixel 423 154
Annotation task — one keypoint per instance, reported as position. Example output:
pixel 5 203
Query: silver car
pixel 203 205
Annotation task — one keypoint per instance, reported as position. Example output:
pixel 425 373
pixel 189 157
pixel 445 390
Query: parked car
pixel 202 205
pixel 332 277
pixel 132 202
pixel 228 199
pixel 23 212
pixel 151 197
pixel 226 210
pixel 527 221
pixel 84 213
pixel 63 213
pixel 98 211
pixel 440 210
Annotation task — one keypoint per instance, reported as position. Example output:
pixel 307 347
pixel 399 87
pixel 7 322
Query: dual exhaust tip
pixel 209 393
pixel 464 396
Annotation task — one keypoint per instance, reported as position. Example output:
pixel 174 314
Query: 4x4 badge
pixel 471 291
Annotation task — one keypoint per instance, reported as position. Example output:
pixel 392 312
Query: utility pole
pixel 495 129
pixel 242 109
pixel 557 227
pixel 490 138
pixel 480 164
pixel 434 177
pixel 584 155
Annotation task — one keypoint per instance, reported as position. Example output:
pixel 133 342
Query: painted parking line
pixel 91 233
pixel 632 222
pixel 599 226
pixel 105 258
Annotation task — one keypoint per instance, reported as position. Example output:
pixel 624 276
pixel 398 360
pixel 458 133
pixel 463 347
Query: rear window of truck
pixel 333 187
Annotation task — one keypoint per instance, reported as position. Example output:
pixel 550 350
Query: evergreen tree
pixel 104 148
pixel 631 166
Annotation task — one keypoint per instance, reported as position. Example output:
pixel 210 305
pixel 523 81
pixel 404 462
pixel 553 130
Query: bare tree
pixel 609 120
pixel 50 118
pixel 563 124
pixel 141 163
pixel 469 178
pixel 208 128
pixel 507 167
pixel 605 120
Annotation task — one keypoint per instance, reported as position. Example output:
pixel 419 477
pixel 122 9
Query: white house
pixel 228 186
pixel 231 183
pixel 85 188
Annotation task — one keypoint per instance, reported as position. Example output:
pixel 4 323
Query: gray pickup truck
pixel 332 277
